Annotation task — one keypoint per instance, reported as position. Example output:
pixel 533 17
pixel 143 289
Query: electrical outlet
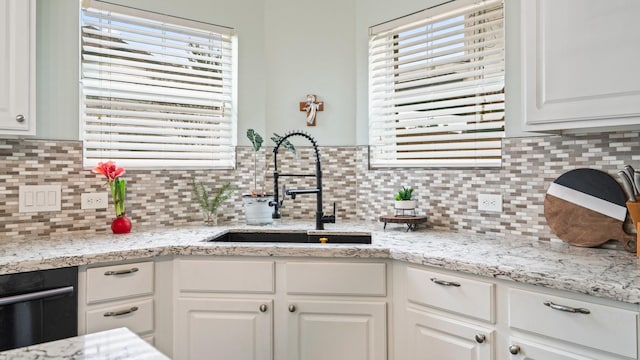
pixel 94 200
pixel 490 202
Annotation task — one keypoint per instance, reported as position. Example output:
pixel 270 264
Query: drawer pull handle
pixel 445 283
pixel 292 308
pixel 480 338
pixel 121 272
pixel 263 308
pixel 20 118
pixel 121 312
pixel 514 349
pixel 566 308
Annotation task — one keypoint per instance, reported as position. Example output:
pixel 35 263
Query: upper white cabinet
pixel 17 67
pixel 580 64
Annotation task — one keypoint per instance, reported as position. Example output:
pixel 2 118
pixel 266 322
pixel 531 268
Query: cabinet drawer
pixel 604 327
pixel 226 276
pixel 323 278
pixel 135 315
pixel 448 292
pixel 119 281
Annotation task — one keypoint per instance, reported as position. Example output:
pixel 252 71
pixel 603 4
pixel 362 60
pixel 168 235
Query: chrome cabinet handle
pixel 121 272
pixel 514 349
pixel 444 282
pixel 292 308
pixel 20 118
pixel 566 308
pixel 121 312
pixel 263 308
pixel 480 338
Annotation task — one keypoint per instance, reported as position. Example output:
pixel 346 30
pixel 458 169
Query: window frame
pixel 170 137
pixel 401 126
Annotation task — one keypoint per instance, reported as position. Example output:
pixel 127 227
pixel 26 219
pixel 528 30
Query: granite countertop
pixel 606 273
pixel 106 345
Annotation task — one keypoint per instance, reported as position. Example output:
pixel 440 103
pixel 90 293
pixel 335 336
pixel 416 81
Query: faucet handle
pixel 330 218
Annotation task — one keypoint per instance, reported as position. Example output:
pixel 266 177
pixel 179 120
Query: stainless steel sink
pixel 293 237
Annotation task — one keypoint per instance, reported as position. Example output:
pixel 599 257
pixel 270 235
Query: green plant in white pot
pixel 403 199
pixel 256 204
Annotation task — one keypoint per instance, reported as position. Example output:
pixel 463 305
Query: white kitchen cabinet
pixel 224 309
pixel 336 310
pixel 239 329
pixel 433 337
pixel 595 328
pixel 17 67
pixel 580 66
pixel 119 295
pixel 444 316
pixel 287 309
pixel 440 314
pixel 336 330
pixel 521 349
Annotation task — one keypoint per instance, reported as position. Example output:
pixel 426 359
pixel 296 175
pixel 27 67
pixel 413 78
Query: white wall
pixel 57 101
pixel 310 51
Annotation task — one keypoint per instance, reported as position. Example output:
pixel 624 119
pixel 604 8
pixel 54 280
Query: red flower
pixel 109 170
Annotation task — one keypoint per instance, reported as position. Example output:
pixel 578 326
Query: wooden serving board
pixel 586 207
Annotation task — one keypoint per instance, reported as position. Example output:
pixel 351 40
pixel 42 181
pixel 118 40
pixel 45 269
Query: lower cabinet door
pixel 433 337
pixel 336 330
pixel 520 349
pixel 238 329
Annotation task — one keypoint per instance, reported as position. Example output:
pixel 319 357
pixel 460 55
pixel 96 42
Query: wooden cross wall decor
pixel 311 106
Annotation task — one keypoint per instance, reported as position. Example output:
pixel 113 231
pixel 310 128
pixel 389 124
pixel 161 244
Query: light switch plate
pixel 34 198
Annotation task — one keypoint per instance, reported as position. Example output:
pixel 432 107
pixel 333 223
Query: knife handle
pixel 631 174
pixel 627 185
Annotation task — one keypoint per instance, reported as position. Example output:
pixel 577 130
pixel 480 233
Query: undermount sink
pixel 293 237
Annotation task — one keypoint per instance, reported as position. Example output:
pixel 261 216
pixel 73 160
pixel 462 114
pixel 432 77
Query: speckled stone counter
pixel 611 274
pixel 106 345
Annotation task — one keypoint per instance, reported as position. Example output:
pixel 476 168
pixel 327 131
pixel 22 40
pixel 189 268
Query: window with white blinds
pixel 436 87
pixel 157 91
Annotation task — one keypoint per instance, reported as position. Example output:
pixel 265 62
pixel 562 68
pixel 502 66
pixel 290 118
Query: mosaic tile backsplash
pixel 448 196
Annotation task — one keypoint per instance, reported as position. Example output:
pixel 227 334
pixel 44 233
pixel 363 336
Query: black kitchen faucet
pixel 321 219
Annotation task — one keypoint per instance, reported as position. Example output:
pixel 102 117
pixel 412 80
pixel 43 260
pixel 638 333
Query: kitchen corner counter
pixel 611 274
pixel 111 344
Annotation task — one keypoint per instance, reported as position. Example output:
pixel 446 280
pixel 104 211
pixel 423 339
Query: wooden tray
pixel 412 221
pixel 586 207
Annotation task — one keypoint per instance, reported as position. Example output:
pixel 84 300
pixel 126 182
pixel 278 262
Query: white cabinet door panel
pixel 17 66
pixel 535 351
pixel 433 337
pixel 579 67
pixel 336 330
pixel 235 329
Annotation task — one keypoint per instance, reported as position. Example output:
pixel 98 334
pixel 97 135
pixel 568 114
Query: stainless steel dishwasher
pixel 38 306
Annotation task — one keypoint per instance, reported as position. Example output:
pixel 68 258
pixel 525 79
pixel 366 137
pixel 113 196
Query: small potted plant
pixel 118 187
pixel 403 199
pixel 209 205
pixel 256 204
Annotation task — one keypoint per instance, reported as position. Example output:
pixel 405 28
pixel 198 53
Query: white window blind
pixel 436 87
pixel 157 91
